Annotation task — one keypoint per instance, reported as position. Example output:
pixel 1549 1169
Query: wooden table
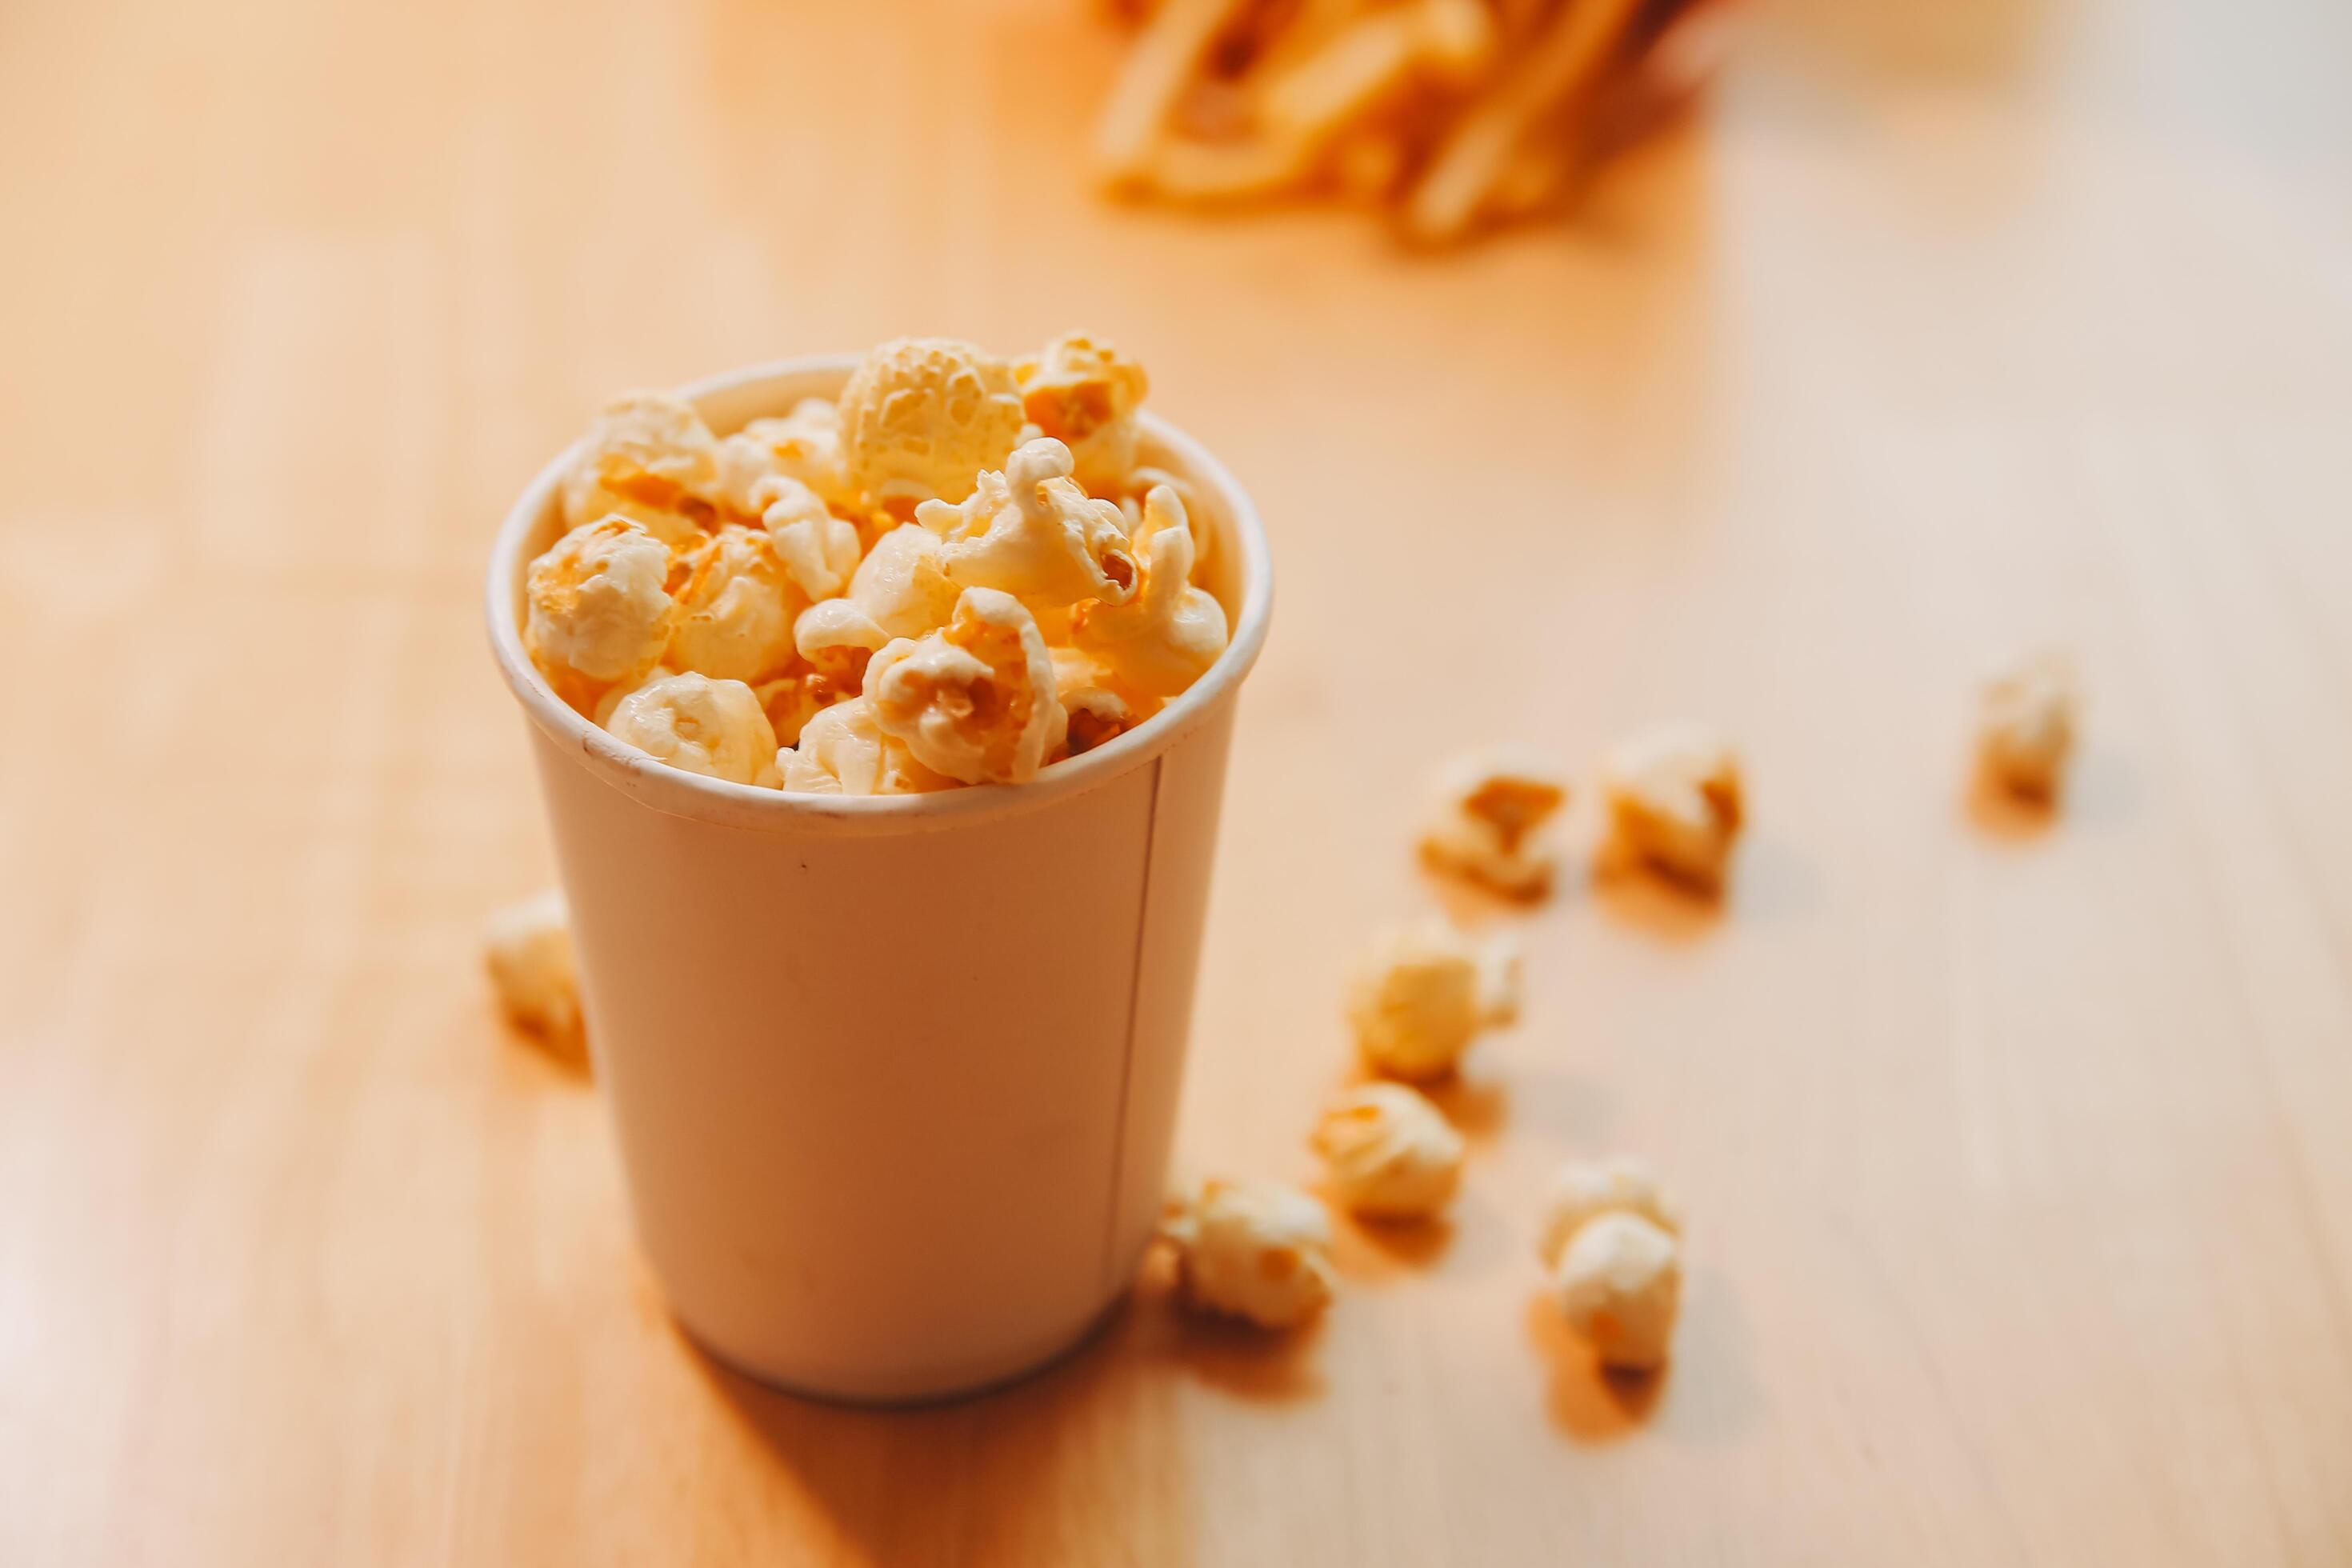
pixel 2018 1161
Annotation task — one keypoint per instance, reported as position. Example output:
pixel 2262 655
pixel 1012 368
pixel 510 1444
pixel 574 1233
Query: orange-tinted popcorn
pixel 1167 636
pixel 973 701
pixel 922 418
pixel 1083 394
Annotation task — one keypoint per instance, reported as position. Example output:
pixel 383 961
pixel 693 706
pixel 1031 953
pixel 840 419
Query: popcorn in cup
pixel 894 1076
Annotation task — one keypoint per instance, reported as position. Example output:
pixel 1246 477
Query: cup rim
pixel 775 385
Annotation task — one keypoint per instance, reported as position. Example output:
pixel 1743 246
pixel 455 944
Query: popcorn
pixel 1675 799
pixel 903 584
pixel 837 638
pixel 1500 962
pixel 923 417
pixel 1619 1286
pixel 1167 636
pixel 2026 727
pixel 1580 1194
pixel 711 727
pixel 819 549
pixel 1487 820
pixel 648 456
pixel 1390 1153
pixel 805 445
pixel 599 612
pixel 1034 533
pixel 974 700
pixel 1096 713
pixel 791 700
pixel 529 947
pixel 1419 998
pixel 1083 394
pixel 1257 1250
pixel 736 609
pixel 841 750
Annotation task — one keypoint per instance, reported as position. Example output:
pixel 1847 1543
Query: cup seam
pixel 1118 1183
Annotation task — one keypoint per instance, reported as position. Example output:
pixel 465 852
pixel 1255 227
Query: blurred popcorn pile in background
pixel 1451 116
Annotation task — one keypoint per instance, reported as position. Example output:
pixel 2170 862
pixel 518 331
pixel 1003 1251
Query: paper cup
pixel 894 1078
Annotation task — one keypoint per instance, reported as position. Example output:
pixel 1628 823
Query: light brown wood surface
pixel 2019 1163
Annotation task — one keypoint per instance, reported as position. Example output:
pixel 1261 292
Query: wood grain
pixel 2020 1162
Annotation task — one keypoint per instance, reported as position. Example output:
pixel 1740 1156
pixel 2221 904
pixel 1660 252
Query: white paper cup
pixel 895 1077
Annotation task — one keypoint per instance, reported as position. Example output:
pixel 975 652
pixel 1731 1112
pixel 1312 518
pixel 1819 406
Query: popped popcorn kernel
pixel 528 946
pixel 1098 714
pixel 1030 531
pixel 805 445
pixel 843 751
pixel 689 721
pixel 903 584
pixel 923 417
pixel 794 698
pixel 973 701
pixel 1255 1250
pixel 1169 633
pixel 819 551
pixel 1418 999
pixel 648 456
pixel 1389 1153
pixel 736 608
pixel 2025 728
pixel 1083 394
pixel 1581 1192
pixel 1675 800
pixel 599 610
pixel 1620 1284
pixel 1487 820
pixel 836 639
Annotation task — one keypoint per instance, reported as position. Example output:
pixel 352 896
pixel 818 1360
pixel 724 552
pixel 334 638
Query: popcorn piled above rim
pixel 956 573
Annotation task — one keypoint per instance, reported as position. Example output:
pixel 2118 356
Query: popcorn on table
pixel 2025 729
pixel 1390 1154
pixel 1613 1244
pixel 1256 1250
pixel 528 946
pixel 1419 997
pixel 1042 591
pixel 1675 801
pixel 1487 818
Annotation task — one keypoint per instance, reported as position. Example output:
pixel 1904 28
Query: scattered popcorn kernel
pixel 1581 1192
pixel 599 611
pixel 1390 1153
pixel 1083 394
pixel 805 445
pixel 1620 1285
pixel 1034 533
pixel 843 752
pixel 793 698
pixel 1415 1001
pixel 1674 800
pixel 648 456
pixel 1487 818
pixel 712 727
pixel 835 639
pixel 1257 1250
pixel 736 608
pixel 819 549
pixel 923 417
pixel 1169 633
pixel 529 946
pixel 2026 728
pixel 973 701
pixel 903 584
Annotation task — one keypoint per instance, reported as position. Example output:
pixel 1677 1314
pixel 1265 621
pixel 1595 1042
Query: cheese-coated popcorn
pixel 841 750
pixel 1416 1001
pixel 529 949
pixel 903 584
pixel 1083 393
pixel 804 445
pixel 1675 800
pixel 648 456
pixel 1487 820
pixel 973 701
pixel 1034 533
pixel 1169 633
pixel 712 727
pixel 819 549
pixel 1256 1250
pixel 736 608
pixel 1620 1285
pixel 2026 728
pixel 1581 1192
pixel 1389 1153
pixel 922 418
pixel 599 610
